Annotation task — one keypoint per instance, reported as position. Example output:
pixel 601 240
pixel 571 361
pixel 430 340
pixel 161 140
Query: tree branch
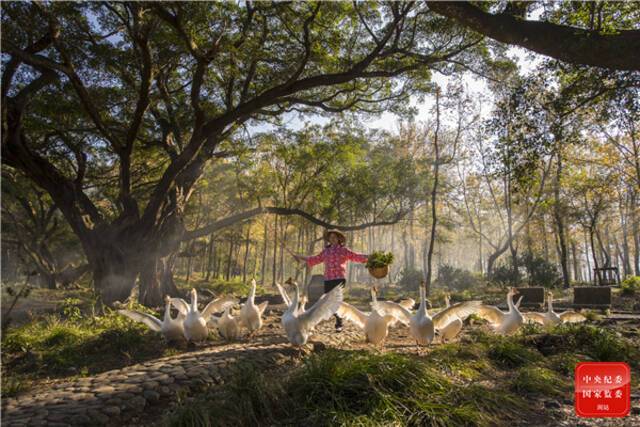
pixel 246 215
pixel 569 44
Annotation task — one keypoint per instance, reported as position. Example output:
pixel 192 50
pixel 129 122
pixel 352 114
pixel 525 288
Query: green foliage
pixel 537 272
pixel 379 259
pixel 505 352
pixel 540 272
pixel 351 388
pixel 505 275
pixel 456 278
pixel 410 279
pixel 71 310
pixel 538 380
pixel 598 343
pixel 564 363
pixel 630 285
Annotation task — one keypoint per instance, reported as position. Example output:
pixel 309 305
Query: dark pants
pixel 328 286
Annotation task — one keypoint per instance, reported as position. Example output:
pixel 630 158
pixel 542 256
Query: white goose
pixel 171 328
pixel 375 325
pixel 250 313
pixel 299 323
pixel 447 323
pixel 391 306
pixel 195 322
pixel 551 318
pixel 228 325
pixel 501 322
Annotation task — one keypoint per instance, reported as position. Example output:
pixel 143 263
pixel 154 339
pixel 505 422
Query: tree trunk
pixel 545 242
pixel 635 230
pixel 114 275
pixel 576 262
pixel 624 225
pixel 210 257
pixel 405 246
pixel 275 251
pixel 263 266
pixel 434 192
pixel 236 260
pixel 586 257
pixel 283 237
pixel 596 277
pixel 246 254
pixel 559 215
pixel 149 293
pixel 227 275
pixel 167 284
pixel 480 260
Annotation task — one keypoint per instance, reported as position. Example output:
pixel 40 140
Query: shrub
pixel 630 285
pixel 540 272
pixel 505 275
pixel 410 279
pixel 456 278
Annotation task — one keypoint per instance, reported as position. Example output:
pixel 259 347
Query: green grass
pixel 508 353
pixel 60 347
pixel 563 363
pixel 599 343
pixel 351 388
pixel 466 360
pixel 538 380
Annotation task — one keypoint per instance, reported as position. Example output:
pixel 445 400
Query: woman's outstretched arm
pixel 356 257
pixel 315 259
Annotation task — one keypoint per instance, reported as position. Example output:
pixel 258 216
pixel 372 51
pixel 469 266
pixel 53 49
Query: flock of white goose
pixel 425 326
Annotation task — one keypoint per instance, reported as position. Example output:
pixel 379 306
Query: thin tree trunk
pixel 576 262
pixel 275 250
pixel 586 257
pixel 434 192
pixel 246 254
pixel 559 214
pixel 263 266
pixel 595 257
pixel 210 257
pixel 227 275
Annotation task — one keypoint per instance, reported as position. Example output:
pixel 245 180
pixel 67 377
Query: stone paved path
pixel 118 396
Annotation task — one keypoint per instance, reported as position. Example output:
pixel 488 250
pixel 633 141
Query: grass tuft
pixel 351 388
pixel 599 343
pixel 506 352
pixel 537 380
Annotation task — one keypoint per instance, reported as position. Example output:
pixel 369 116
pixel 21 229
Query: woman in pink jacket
pixel 334 256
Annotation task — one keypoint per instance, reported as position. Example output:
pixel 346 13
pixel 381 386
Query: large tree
pixel 115 109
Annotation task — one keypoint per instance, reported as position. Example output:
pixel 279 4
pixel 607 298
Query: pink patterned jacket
pixel 335 261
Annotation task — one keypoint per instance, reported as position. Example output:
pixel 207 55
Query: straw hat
pixel 341 238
